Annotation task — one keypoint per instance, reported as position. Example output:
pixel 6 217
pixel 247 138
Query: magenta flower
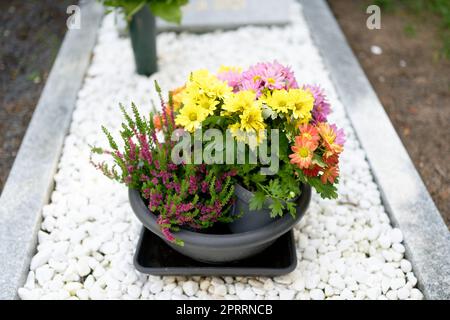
pixel 232 77
pixel 322 107
pixel 340 135
pixel 268 76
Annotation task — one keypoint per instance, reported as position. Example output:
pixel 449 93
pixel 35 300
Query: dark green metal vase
pixel 143 41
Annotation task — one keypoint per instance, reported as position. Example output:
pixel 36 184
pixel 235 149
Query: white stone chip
pixel 317 294
pixel 190 288
pixel 376 50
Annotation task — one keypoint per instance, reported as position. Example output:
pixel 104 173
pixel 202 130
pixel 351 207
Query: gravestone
pixel 207 15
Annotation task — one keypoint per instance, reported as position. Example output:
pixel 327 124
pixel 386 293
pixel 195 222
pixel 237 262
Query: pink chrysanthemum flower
pixel 340 135
pixel 321 108
pixel 232 76
pixel 287 75
pixel 272 76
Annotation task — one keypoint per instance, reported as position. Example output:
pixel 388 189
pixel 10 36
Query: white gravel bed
pixel 347 249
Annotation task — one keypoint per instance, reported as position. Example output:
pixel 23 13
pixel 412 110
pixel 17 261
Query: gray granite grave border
pixel 228 20
pixel 405 197
pixel 30 181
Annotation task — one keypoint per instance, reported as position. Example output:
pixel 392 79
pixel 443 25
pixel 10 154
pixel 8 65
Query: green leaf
pixel 318 160
pixel 258 178
pixel 326 191
pixel 277 208
pixel 284 147
pixel 275 188
pixel 169 10
pixel 291 206
pixel 257 201
pixel 212 120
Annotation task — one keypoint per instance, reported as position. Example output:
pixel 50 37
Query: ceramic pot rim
pixel 250 238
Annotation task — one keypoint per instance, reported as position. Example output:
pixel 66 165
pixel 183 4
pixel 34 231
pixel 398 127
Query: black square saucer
pixel 153 256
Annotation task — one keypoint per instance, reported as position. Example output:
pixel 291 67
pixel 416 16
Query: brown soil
pixel 30 35
pixel 413 83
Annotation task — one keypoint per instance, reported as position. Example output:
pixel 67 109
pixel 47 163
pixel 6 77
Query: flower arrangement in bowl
pixel 249 105
pixel 226 167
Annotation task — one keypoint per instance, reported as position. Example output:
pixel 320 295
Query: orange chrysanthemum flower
pixel 309 133
pixel 177 96
pixel 303 153
pixel 312 171
pixel 331 140
pixel 329 175
pixel 331 160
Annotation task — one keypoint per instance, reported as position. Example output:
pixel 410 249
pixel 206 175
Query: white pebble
pixel 392 295
pixel 310 253
pixel 406 266
pixel 156 287
pixel 299 285
pixel 317 294
pixel 27 294
pixel 397 283
pixel 83 294
pixel 30 283
pixel 246 294
pixel 40 259
pixel 376 50
pixel 220 290
pixel 204 285
pixel 337 281
pixel 44 274
pixel 134 291
pixel 373 293
pixel 287 294
pixel 109 248
pixel 385 241
pixel 403 293
pixel 416 294
pixel 190 288
pixel 398 247
pixel 83 268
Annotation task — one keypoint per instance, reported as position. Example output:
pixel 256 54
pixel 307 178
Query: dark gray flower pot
pixel 218 248
pixel 143 41
pixel 250 219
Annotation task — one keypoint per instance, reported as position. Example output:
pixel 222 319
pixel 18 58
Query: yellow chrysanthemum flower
pixel 252 138
pixel 190 117
pixel 301 103
pixel 252 119
pixel 203 82
pixel 279 101
pixel 220 89
pixel 237 132
pixel 240 101
pixel 207 103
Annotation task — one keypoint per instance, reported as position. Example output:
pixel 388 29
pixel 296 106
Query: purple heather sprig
pixel 181 195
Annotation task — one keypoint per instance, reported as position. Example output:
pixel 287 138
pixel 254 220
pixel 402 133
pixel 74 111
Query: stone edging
pixel 30 181
pixel 405 197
